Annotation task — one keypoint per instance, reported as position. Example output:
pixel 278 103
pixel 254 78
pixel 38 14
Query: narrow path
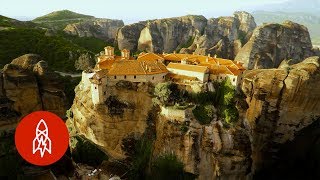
pixel 68 74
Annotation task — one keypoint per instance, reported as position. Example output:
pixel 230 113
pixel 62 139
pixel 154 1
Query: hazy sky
pixel 129 10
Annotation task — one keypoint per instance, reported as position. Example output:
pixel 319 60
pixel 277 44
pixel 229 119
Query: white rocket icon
pixel 41 142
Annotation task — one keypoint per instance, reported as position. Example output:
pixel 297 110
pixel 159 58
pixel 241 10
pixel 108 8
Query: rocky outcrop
pixel 222 36
pixel 85 62
pixel 105 29
pixel 128 36
pixel 124 114
pixel 270 44
pixel 27 85
pixel 209 151
pixel 167 35
pixel 281 103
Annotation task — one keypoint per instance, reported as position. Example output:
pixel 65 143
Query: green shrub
pixel 168 166
pixel 204 113
pixel 139 153
pixel 84 151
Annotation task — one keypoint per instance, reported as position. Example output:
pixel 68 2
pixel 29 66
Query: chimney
pixel 109 51
pixel 215 56
pixel 174 52
pixel 125 54
pixel 194 53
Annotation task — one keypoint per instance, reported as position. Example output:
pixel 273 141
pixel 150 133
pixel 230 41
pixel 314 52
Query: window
pixel 134 77
pixel 220 77
pixel 115 77
pixel 234 79
pixel 152 77
pixel 125 77
pixel 162 77
pixel 105 93
pixel 95 87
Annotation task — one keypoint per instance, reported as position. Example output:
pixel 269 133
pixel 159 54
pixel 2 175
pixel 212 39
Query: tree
pixel 162 92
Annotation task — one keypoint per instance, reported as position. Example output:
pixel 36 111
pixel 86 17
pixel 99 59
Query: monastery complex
pixel 156 68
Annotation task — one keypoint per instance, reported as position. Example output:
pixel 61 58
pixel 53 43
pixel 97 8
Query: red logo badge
pixel 41 138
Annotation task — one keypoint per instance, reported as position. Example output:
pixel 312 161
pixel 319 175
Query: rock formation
pixel 276 105
pixel 105 29
pixel 270 44
pixel 28 85
pixel 125 113
pixel 222 36
pixel 281 102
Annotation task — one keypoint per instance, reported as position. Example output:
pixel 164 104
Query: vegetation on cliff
pixel 224 99
pixel 84 151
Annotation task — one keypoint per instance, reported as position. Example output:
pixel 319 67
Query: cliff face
pixel 281 103
pixel 222 36
pixel 105 29
pixel 270 44
pixel 210 151
pixel 124 114
pixel 26 86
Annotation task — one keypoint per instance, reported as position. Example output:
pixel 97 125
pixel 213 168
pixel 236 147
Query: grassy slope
pixel 311 21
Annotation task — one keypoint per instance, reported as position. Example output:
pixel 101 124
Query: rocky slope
pixel 28 85
pixel 105 29
pixel 270 44
pixel 271 115
pixel 222 36
pixel 281 103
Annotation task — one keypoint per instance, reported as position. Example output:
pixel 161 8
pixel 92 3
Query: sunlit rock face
pixel 270 44
pixel 281 102
pixel 124 114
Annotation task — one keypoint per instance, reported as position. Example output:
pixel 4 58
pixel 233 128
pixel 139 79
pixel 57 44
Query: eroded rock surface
pixel 281 103
pixel 222 36
pixel 270 44
pixel 27 86
pixel 105 29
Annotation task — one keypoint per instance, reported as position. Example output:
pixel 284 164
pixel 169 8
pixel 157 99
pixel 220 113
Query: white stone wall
pixel 85 79
pixel 201 76
pixel 170 112
pixel 99 92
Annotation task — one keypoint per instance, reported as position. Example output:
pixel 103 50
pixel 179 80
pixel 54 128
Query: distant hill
pixel 62 15
pixel 58 20
pixel 310 20
pixel 9 22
